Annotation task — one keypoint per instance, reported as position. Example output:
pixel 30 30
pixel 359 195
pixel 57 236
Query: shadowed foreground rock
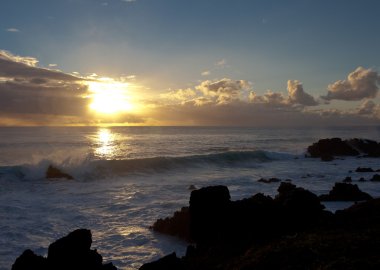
pixel 70 252
pixel 345 192
pixel 291 231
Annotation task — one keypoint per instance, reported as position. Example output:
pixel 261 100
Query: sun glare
pixel 109 97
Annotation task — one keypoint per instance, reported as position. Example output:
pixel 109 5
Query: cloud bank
pixel 360 84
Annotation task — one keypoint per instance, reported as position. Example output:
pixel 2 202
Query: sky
pixel 199 62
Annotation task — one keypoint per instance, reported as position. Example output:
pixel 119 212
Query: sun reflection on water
pixel 105 143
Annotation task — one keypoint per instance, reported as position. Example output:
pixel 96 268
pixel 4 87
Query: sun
pixel 109 97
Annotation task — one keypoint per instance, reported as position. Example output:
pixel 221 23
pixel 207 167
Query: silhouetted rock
pixel 70 252
pixel 327 148
pixel 345 192
pixel 178 225
pixel 369 147
pixel 364 169
pixel 291 231
pixel 208 208
pixel 361 179
pixel 348 179
pixel 53 172
pixel 29 260
pixel 268 181
pixel 375 178
pixel 169 262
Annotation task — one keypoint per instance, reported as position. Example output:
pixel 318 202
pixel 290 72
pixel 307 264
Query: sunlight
pixel 105 139
pixel 109 97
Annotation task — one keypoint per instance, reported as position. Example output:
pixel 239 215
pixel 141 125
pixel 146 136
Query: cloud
pixel 12 30
pixel 221 63
pixel 269 98
pixel 369 108
pixel 206 73
pixel 298 96
pixel 179 95
pixel 360 84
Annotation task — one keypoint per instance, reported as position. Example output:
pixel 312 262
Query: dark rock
pixel 29 260
pixel 328 148
pixel 360 169
pixel 178 225
pixel 369 147
pixel 348 179
pixel 208 208
pixel 375 178
pixel 192 187
pixel 268 181
pixel 53 172
pixel 169 262
pixel 70 252
pixel 361 179
pixel 345 192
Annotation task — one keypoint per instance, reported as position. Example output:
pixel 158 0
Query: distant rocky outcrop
pixel 327 149
pixel 345 192
pixel 53 172
pixel 70 252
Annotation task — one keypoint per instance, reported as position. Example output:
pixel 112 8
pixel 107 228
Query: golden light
pixel 105 141
pixel 109 97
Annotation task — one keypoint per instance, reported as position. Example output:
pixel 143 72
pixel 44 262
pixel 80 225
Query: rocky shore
pixel 292 230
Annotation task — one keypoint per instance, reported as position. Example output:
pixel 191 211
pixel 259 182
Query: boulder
pixel 328 148
pixel 364 169
pixel 53 172
pixel 369 147
pixel 375 178
pixel 268 181
pixel 178 225
pixel 70 252
pixel 208 210
pixel 29 260
pixel 345 192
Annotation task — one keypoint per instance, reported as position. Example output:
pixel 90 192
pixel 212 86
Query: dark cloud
pixel 360 84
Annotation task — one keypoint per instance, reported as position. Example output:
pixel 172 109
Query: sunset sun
pixel 109 97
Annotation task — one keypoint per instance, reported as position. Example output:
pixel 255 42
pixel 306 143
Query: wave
pixel 88 168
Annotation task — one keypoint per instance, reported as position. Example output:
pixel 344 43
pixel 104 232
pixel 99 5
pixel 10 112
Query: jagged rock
pixel 178 225
pixel 208 209
pixel 345 192
pixel 364 169
pixel 29 260
pixel 348 179
pixel 268 181
pixel 369 147
pixel 53 172
pixel 70 252
pixel 375 178
pixel 328 148
pixel 169 262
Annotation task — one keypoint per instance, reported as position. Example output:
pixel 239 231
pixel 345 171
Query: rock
pixel 326 157
pixel 328 148
pixel 375 178
pixel 348 179
pixel 268 181
pixel 369 147
pixel 178 225
pixel 169 262
pixel 364 169
pixel 29 260
pixel 345 192
pixel 208 210
pixel 70 252
pixel 361 179
pixel 53 172
pixel 191 188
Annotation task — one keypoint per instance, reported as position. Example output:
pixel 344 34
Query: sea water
pixel 127 177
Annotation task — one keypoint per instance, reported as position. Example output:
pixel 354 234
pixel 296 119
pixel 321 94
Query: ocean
pixel 127 177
